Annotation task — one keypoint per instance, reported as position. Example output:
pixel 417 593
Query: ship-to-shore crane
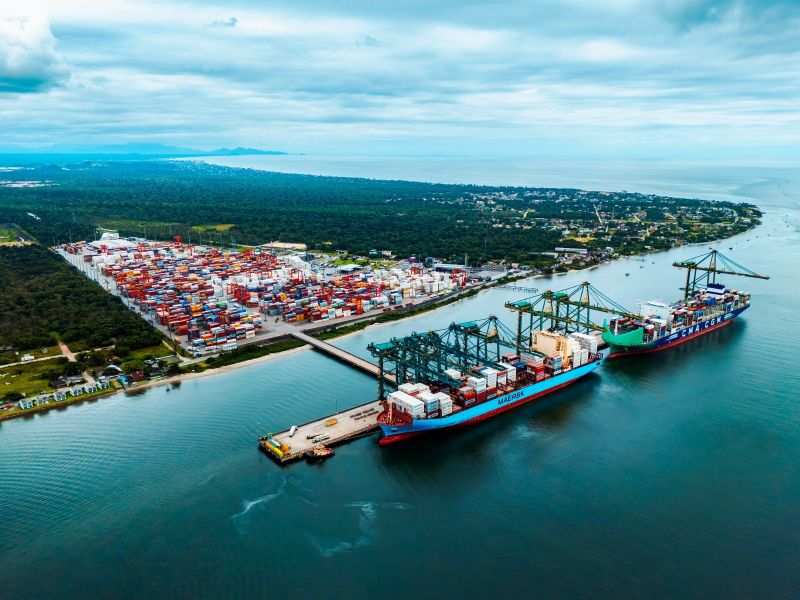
pixel 567 310
pixel 702 270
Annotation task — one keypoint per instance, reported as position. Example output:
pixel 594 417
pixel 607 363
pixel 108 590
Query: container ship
pixel 707 306
pixel 460 398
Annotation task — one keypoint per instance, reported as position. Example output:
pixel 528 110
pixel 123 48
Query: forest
pixel 43 298
pixel 220 205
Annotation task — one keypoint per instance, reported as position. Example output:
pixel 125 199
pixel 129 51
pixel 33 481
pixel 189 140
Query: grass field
pixel 25 379
pixel 217 227
pixel 13 356
pixel 151 352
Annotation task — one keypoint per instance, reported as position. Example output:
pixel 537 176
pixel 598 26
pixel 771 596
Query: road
pixel 66 351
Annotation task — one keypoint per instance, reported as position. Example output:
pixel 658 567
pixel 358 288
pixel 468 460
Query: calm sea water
pixel 676 475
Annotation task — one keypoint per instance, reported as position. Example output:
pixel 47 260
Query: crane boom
pixel 711 264
pixel 566 310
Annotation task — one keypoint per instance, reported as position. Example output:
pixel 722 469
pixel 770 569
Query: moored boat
pixel 318 453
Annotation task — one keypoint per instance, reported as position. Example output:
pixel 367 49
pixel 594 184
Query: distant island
pixel 129 151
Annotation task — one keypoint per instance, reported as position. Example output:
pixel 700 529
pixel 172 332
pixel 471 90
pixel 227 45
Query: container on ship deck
pixel 466 392
pixel 510 371
pixel 481 396
pixel 466 402
pixel 453 373
pixel 491 377
pixel 491 393
pixel 477 383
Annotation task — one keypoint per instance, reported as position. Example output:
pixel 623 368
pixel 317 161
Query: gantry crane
pixel 426 356
pixel 703 269
pixel 568 310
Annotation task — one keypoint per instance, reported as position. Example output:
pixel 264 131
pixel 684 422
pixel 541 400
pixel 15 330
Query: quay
pixel 343 426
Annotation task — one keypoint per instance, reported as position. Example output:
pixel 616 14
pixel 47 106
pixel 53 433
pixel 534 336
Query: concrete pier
pixel 346 425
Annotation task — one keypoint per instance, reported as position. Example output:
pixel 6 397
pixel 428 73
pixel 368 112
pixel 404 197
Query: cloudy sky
pixel 672 79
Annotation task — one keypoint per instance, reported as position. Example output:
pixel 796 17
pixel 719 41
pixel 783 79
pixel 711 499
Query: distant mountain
pixel 137 149
pixel 239 151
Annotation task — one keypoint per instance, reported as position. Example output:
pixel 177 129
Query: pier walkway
pixel 342 355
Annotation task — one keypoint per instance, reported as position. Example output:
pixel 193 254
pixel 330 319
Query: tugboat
pixel 318 453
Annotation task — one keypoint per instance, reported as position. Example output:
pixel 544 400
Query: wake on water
pixel 247 505
pixel 366 519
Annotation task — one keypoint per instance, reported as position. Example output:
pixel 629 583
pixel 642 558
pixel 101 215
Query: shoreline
pixel 151 384
pixel 434 306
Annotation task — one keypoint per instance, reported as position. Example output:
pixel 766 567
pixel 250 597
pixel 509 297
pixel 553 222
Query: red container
pixel 466 392
pixel 481 396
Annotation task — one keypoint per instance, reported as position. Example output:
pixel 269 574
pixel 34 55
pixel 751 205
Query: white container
pixel 491 377
pixel 453 373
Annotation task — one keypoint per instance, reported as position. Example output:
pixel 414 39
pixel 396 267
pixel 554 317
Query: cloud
pixel 446 75
pixel 368 40
pixel 29 61
pixel 231 22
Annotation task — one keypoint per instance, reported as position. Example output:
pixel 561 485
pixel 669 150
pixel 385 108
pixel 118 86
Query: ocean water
pixel 674 475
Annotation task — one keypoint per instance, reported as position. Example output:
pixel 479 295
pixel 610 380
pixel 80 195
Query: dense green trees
pixel 161 199
pixel 41 297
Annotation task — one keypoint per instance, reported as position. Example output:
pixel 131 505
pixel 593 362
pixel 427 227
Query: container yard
pixel 212 300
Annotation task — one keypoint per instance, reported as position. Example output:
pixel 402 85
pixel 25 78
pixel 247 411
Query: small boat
pixel 627 274
pixel 318 453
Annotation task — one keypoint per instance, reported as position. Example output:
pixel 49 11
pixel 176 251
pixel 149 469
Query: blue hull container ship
pixel 397 425
pixel 461 375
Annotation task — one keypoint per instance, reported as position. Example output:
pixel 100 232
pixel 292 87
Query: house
pixel 25 404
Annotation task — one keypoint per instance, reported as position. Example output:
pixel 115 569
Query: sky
pixel 681 79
